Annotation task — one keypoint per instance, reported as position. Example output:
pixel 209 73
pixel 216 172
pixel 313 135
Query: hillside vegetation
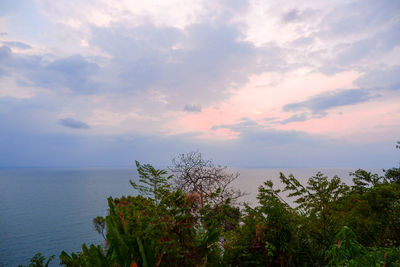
pixel 190 215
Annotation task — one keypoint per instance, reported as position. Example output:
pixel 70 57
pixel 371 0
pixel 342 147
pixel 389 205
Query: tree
pixel 317 203
pixel 372 209
pixel 363 180
pixel 347 251
pixel 193 223
pixel 99 224
pixel 157 227
pixel 318 195
pixel 213 183
pixel 393 174
pixel 266 236
pixel 153 183
pixel 38 261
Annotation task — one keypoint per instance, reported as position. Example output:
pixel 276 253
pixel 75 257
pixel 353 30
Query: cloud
pixel 130 69
pixel 202 63
pixel 302 41
pixel 5 52
pixel 74 124
pixel 18 45
pixel 320 103
pixel 192 108
pixel 11 7
pixel 254 134
pixel 243 125
pixel 28 144
pixel 296 15
pixel 360 17
pixel 352 54
pixel 294 118
pixel 357 40
pixel 74 72
pixel 387 78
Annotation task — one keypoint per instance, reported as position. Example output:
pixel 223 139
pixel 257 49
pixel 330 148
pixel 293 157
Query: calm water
pixel 50 210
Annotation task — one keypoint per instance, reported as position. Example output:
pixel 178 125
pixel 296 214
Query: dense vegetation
pixel 192 218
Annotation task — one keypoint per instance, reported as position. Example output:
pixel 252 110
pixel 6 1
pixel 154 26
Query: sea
pixel 51 210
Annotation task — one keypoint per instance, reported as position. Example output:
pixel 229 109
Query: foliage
pixel 348 252
pixel 99 224
pixel 364 180
pixel 158 230
pixel 372 209
pixel 194 222
pixel 153 183
pixel 90 257
pixel 393 174
pixel 266 235
pixel 317 203
pixel 39 261
pixel 195 174
pixel 317 196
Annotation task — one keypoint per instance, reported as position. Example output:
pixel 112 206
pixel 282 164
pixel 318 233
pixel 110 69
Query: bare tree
pixel 195 175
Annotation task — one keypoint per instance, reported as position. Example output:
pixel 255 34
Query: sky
pixel 296 83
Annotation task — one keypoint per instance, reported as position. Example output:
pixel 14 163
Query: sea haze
pixel 50 210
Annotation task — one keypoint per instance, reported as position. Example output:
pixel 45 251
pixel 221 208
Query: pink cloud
pixel 263 97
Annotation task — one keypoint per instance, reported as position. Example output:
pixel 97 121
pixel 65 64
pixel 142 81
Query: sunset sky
pixel 294 83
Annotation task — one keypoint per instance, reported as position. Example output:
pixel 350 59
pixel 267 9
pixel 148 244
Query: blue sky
pixel 248 83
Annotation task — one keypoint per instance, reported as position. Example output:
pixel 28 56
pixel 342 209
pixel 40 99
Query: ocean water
pixel 50 210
